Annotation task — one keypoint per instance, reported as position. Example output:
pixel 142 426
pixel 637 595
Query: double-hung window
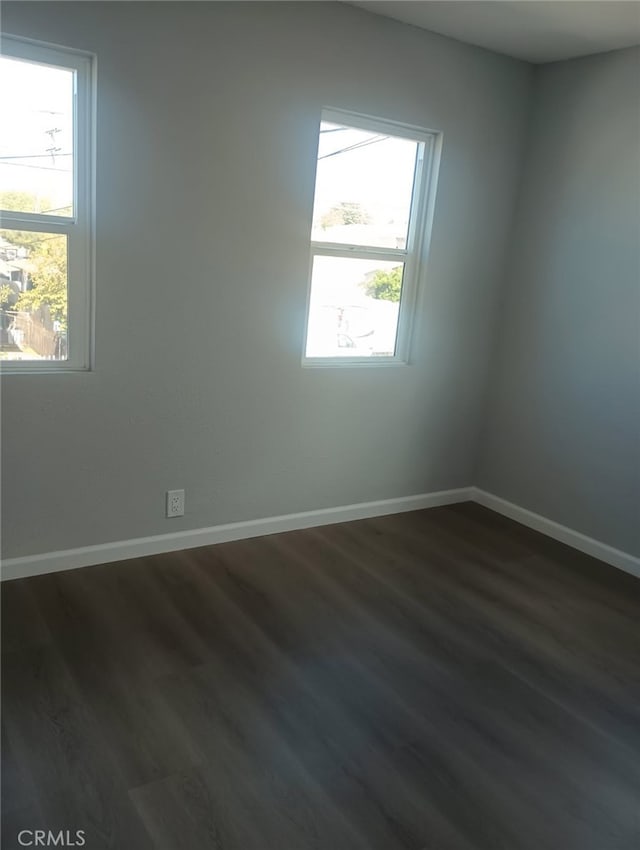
pixel 45 207
pixel 374 194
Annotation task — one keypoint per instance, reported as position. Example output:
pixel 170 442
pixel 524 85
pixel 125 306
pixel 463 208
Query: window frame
pixel 413 256
pixel 79 228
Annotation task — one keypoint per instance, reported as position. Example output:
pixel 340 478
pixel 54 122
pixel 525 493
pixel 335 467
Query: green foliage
pixel 6 295
pixel 385 286
pixel 345 212
pixel 20 201
pixel 47 258
pixel 22 238
pixel 13 201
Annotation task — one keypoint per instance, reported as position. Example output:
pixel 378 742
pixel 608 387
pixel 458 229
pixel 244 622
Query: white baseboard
pixel 121 550
pixel 602 551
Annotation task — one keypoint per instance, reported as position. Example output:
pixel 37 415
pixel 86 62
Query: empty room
pixel 320 385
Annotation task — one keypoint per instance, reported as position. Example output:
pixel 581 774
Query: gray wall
pixel 563 424
pixel 207 129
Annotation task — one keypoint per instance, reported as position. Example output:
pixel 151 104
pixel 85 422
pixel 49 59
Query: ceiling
pixel 533 30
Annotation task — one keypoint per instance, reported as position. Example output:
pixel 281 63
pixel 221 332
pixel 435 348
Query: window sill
pixel 351 362
pixel 39 369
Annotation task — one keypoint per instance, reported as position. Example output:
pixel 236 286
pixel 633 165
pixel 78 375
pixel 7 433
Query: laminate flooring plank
pixel 561 565
pixel 55 739
pixel 117 689
pixel 256 782
pixel 358 724
pixel 438 680
pixel 622 816
pixel 22 624
pixel 531 651
pixel 332 748
pixel 18 787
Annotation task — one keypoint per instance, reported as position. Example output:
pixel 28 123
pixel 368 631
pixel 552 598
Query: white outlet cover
pixel 175 503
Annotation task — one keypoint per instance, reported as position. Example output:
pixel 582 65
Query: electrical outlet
pixel 175 503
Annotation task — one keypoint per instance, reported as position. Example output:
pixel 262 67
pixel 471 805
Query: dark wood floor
pixel 445 679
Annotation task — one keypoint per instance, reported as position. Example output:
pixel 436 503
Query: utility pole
pixel 54 149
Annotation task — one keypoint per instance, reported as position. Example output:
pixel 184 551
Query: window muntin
pixel 373 198
pixel 45 201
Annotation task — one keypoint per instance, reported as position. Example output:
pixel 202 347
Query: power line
pixel 48 238
pixel 34 156
pixel 32 242
pixel 55 209
pixel 354 147
pixel 41 167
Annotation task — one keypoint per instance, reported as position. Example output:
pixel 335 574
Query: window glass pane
pixel 33 296
pixel 36 138
pixel 353 309
pixel 364 183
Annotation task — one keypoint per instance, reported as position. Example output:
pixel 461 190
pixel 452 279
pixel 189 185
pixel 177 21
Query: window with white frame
pixel 374 193
pixel 45 207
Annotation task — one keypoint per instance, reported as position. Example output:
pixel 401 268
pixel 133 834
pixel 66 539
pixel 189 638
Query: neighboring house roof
pixel 23 265
pixel 6 268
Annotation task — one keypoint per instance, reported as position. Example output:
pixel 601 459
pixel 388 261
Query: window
pixel 45 208
pixel 375 185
